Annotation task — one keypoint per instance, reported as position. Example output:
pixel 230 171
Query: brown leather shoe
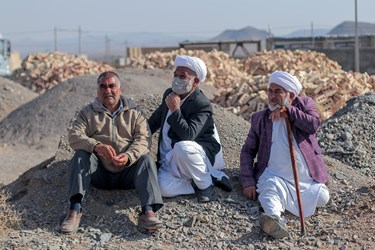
pixel 149 221
pixel 71 222
pixel 273 225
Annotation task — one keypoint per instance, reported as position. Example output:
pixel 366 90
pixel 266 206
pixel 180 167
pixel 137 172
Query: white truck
pixel 5 53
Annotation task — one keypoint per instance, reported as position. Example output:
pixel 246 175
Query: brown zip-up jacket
pixel 127 132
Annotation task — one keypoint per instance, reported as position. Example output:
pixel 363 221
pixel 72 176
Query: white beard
pixel 284 104
pixel 273 107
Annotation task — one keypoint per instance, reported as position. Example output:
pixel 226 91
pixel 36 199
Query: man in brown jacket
pixel 111 139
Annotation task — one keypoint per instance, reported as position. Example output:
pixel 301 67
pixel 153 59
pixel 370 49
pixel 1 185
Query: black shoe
pixel 206 195
pixel 194 186
pixel 224 183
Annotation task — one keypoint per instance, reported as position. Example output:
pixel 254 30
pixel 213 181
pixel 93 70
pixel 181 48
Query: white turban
pixel 287 81
pixel 193 63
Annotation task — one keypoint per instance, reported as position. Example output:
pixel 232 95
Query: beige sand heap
pixel 43 71
pixel 242 83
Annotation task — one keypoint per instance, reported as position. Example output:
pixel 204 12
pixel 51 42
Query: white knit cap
pixel 287 81
pixel 193 63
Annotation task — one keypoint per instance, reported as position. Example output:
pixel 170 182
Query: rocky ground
pixel 34 199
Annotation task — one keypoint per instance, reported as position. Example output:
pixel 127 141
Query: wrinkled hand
pixel 120 160
pixel 250 192
pixel 279 112
pixel 105 151
pixel 173 102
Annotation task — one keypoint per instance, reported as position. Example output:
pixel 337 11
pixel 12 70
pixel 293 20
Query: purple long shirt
pixel 304 120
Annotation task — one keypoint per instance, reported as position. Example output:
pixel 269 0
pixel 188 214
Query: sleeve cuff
pixel 130 160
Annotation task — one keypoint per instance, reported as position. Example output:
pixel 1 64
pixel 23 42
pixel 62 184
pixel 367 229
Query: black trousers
pixel 86 169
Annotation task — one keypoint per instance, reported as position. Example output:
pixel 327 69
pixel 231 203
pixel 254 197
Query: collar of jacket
pixel 128 104
pixel 192 95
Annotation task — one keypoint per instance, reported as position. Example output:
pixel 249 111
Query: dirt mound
pixel 12 96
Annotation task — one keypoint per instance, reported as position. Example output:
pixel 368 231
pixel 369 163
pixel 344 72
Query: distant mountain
pixel 247 33
pixel 307 33
pixel 348 28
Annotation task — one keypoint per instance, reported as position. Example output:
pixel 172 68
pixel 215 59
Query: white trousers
pixel 277 195
pixel 185 163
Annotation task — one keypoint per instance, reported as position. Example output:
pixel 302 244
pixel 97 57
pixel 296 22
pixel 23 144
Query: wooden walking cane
pixel 295 170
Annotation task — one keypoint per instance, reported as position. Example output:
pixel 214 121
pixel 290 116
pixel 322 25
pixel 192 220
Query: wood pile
pixel 221 69
pixel 321 78
pixel 330 92
pixel 42 71
pixel 242 84
pixel 266 62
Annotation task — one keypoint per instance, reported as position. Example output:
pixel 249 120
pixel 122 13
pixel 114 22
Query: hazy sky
pixel 37 18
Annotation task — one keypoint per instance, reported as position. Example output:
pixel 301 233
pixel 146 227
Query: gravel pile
pixel 12 96
pixel 48 116
pixel 349 136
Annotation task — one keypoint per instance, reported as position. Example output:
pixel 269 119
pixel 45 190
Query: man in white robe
pixel 272 178
pixel 189 150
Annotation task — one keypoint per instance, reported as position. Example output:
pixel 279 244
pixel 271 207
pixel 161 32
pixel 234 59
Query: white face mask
pixel 180 86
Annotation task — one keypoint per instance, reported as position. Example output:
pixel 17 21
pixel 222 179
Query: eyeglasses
pixel 105 86
pixel 275 92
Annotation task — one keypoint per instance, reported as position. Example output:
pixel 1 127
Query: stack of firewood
pixel 266 62
pixel 43 71
pixel 242 84
pixel 222 70
pixel 330 92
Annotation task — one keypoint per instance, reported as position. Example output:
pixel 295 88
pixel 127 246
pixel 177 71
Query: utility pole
pixel 270 43
pixel 269 30
pixel 55 37
pixel 126 48
pixel 79 40
pixel 107 48
pixel 356 49
pixel 312 35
